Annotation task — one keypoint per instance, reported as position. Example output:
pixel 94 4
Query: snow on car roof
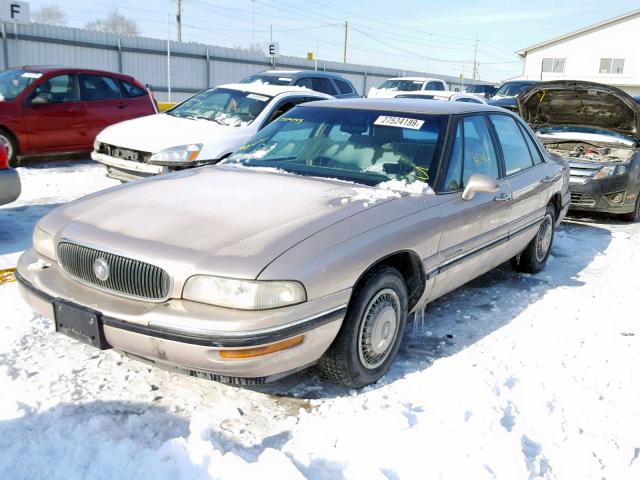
pixel 407 105
pixel 266 89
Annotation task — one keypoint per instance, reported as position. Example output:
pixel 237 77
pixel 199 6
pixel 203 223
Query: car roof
pixel 53 69
pixel 405 105
pixel 300 73
pixel 271 90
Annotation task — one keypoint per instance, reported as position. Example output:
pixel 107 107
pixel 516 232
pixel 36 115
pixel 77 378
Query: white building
pixel 607 52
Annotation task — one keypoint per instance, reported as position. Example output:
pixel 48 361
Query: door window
pixel 473 153
pixel 98 87
pixel 283 107
pixel 533 148
pixel 434 86
pixel 305 82
pixel 343 86
pixel 58 89
pixel 131 91
pixel 514 147
pixel 324 85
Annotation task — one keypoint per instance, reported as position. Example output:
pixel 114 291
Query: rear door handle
pixel 550 179
pixel 504 197
pixel 121 105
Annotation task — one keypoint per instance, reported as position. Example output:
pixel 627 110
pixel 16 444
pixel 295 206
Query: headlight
pixel 243 294
pixel 43 243
pixel 173 155
pixel 610 171
pixel 96 145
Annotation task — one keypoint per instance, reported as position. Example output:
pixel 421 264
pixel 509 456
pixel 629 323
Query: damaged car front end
pixel 596 128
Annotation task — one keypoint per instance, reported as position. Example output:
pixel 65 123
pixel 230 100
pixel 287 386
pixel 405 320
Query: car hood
pixel 581 104
pixel 157 132
pixel 222 220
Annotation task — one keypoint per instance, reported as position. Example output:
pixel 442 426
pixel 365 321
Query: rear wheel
pixel 371 331
pixel 635 215
pixel 534 257
pixel 11 145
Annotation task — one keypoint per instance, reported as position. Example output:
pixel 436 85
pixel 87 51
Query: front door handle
pixel 550 179
pixel 121 105
pixel 504 197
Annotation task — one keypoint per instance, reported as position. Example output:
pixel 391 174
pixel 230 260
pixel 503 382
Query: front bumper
pixel 189 335
pixel 597 195
pixel 127 170
pixel 10 186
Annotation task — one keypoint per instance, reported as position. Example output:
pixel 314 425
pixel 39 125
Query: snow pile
pixel 387 191
pixel 511 377
pixel 414 188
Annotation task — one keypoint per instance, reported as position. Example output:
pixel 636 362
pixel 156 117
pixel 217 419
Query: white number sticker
pixel 31 75
pixel 401 122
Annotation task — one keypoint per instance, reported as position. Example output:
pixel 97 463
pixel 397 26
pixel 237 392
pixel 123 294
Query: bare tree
pixel 51 14
pixel 115 23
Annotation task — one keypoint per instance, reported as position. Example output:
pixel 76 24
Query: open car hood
pixel 568 103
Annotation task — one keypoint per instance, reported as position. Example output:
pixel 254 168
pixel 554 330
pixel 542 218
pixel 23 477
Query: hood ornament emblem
pixel 101 269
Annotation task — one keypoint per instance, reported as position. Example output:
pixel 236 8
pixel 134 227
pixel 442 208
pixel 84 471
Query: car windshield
pixel 232 108
pixel 361 146
pixel 268 79
pixel 402 85
pixel 512 89
pixel 13 82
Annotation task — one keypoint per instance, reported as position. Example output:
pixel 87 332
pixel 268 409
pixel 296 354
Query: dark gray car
pixel 507 94
pixel 596 128
pixel 325 82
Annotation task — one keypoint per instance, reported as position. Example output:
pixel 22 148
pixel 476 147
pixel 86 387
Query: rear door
pixel 524 170
pixel 59 124
pixel 472 230
pixel 138 100
pixel 103 101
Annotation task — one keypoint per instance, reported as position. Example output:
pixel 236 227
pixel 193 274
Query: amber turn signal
pixel 258 351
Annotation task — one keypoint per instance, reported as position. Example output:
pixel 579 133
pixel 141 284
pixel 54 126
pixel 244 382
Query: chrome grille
pixel 126 276
pixel 582 199
pixel 583 172
pixel 124 153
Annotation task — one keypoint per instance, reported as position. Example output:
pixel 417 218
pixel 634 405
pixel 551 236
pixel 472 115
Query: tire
pixel 12 147
pixel 535 255
pixel 371 332
pixel 635 215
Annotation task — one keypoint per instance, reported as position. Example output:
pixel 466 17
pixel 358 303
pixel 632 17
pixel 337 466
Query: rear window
pixel 131 91
pixel 343 87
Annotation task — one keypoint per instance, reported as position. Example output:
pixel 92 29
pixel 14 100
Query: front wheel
pixel 371 332
pixel 534 257
pixel 635 215
pixel 12 148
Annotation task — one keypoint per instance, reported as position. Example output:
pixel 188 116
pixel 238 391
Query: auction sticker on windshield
pixel 401 122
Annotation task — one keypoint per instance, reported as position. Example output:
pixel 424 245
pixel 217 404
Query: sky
pixel 427 36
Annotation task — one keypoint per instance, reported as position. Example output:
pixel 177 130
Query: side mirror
pixel 479 184
pixel 40 99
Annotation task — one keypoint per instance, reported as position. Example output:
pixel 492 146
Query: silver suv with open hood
pixel 597 129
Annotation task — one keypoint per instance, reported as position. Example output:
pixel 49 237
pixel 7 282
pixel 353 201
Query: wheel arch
pixel 409 265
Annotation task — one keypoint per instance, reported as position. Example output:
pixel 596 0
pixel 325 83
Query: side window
pixel 283 107
pixel 131 91
pixel 343 87
pixel 97 87
pixel 305 82
pixel 59 89
pixel 533 148
pixel 473 153
pixel 514 147
pixel 324 85
pixel 434 86
pixel 452 181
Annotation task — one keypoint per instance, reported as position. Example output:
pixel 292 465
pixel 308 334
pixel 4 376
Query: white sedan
pixel 447 96
pixel 201 130
pixel 393 86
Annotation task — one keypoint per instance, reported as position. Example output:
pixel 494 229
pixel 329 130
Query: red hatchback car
pixel 46 110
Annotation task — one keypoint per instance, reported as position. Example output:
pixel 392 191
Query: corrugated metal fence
pixel 194 66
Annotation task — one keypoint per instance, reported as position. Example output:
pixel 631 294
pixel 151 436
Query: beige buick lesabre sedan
pixel 311 244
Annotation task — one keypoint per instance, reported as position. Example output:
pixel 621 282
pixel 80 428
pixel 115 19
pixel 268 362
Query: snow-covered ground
pixel 512 377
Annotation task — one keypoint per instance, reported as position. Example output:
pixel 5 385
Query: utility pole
pixel 346 36
pixel 179 20
pixel 475 58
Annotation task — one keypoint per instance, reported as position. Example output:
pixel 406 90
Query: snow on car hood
pixel 157 132
pixel 220 220
pixel 581 104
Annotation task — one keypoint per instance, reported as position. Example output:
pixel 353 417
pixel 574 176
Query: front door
pixel 473 231
pixel 57 125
